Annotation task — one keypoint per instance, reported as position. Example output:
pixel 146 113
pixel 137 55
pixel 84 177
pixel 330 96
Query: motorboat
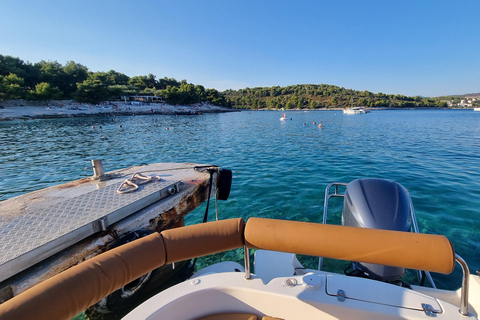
pixel 355 110
pixel 284 117
pixel 279 286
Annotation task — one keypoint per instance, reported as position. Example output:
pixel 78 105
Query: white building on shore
pixel 464 103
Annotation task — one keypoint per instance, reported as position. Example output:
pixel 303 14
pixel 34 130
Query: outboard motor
pixel 377 204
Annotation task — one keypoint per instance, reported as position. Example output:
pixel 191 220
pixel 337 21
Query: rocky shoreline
pixel 25 110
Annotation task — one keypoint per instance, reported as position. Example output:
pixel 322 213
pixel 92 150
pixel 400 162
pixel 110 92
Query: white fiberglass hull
pixel 315 295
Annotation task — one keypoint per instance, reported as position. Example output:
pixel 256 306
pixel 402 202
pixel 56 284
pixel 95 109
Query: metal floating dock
pixel 53 226
pixel 47 231
pixel 40 233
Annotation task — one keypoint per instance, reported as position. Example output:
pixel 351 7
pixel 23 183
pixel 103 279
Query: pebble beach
pixel 21 109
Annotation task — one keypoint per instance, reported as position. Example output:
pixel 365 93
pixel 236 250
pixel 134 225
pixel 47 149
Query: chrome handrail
pixel 247 262
pixel 328 196
pixel 465 285
pixel 463 294
pixel 325 208
pixel 466 272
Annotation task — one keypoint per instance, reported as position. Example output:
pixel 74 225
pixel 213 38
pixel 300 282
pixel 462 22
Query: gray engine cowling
pixel 377 204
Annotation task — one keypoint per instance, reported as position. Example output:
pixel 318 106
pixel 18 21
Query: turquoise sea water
pixel 280 169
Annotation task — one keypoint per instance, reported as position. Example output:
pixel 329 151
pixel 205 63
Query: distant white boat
pixel 476 109
pixel 356 110
pixel 284 117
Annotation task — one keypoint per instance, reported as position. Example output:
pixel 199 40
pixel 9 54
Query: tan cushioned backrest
pixel 393 248
pixel 230 316
pixel 203 239
pixel 74 290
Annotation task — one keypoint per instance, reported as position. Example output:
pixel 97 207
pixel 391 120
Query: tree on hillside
pixel 166 82
pixel 143 82
pixel 200 93
pixel 11 87
pixel 52 72
pixel 11 65
pixel 116 91
pixel 114 78
pixel 24 70
pixel 214 97
pixel 186 93
pixel 74 73
pixel 139 82
pixel 91 91
pixel 45 91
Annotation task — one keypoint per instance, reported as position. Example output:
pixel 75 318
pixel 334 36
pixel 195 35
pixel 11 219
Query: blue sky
pixel 410 47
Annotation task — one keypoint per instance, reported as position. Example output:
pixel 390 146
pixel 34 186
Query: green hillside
pixel 50 80
pixel 324 96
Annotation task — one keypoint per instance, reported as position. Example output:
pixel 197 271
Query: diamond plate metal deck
pixel 36 235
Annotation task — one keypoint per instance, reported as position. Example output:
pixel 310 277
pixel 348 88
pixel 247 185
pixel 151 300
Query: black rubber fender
pixel 224 184
pixel 120 299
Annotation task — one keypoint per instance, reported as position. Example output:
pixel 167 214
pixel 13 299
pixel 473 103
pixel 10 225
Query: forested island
pixel 50 80
pixel 323 96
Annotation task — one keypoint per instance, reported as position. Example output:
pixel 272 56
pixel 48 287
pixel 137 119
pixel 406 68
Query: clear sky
pixel 410 47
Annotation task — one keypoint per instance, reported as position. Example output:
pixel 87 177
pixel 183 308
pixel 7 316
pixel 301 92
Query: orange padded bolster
pixel 392 248
pixel 230 316
pixel 203 239
pixel 72 291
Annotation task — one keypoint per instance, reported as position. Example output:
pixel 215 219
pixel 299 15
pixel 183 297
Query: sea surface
pixel 280 168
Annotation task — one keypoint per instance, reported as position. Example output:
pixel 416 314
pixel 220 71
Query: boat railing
pixel 465 285
pixel 435 254
pixel 329 195
pixel 117 267
pixel 337 192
